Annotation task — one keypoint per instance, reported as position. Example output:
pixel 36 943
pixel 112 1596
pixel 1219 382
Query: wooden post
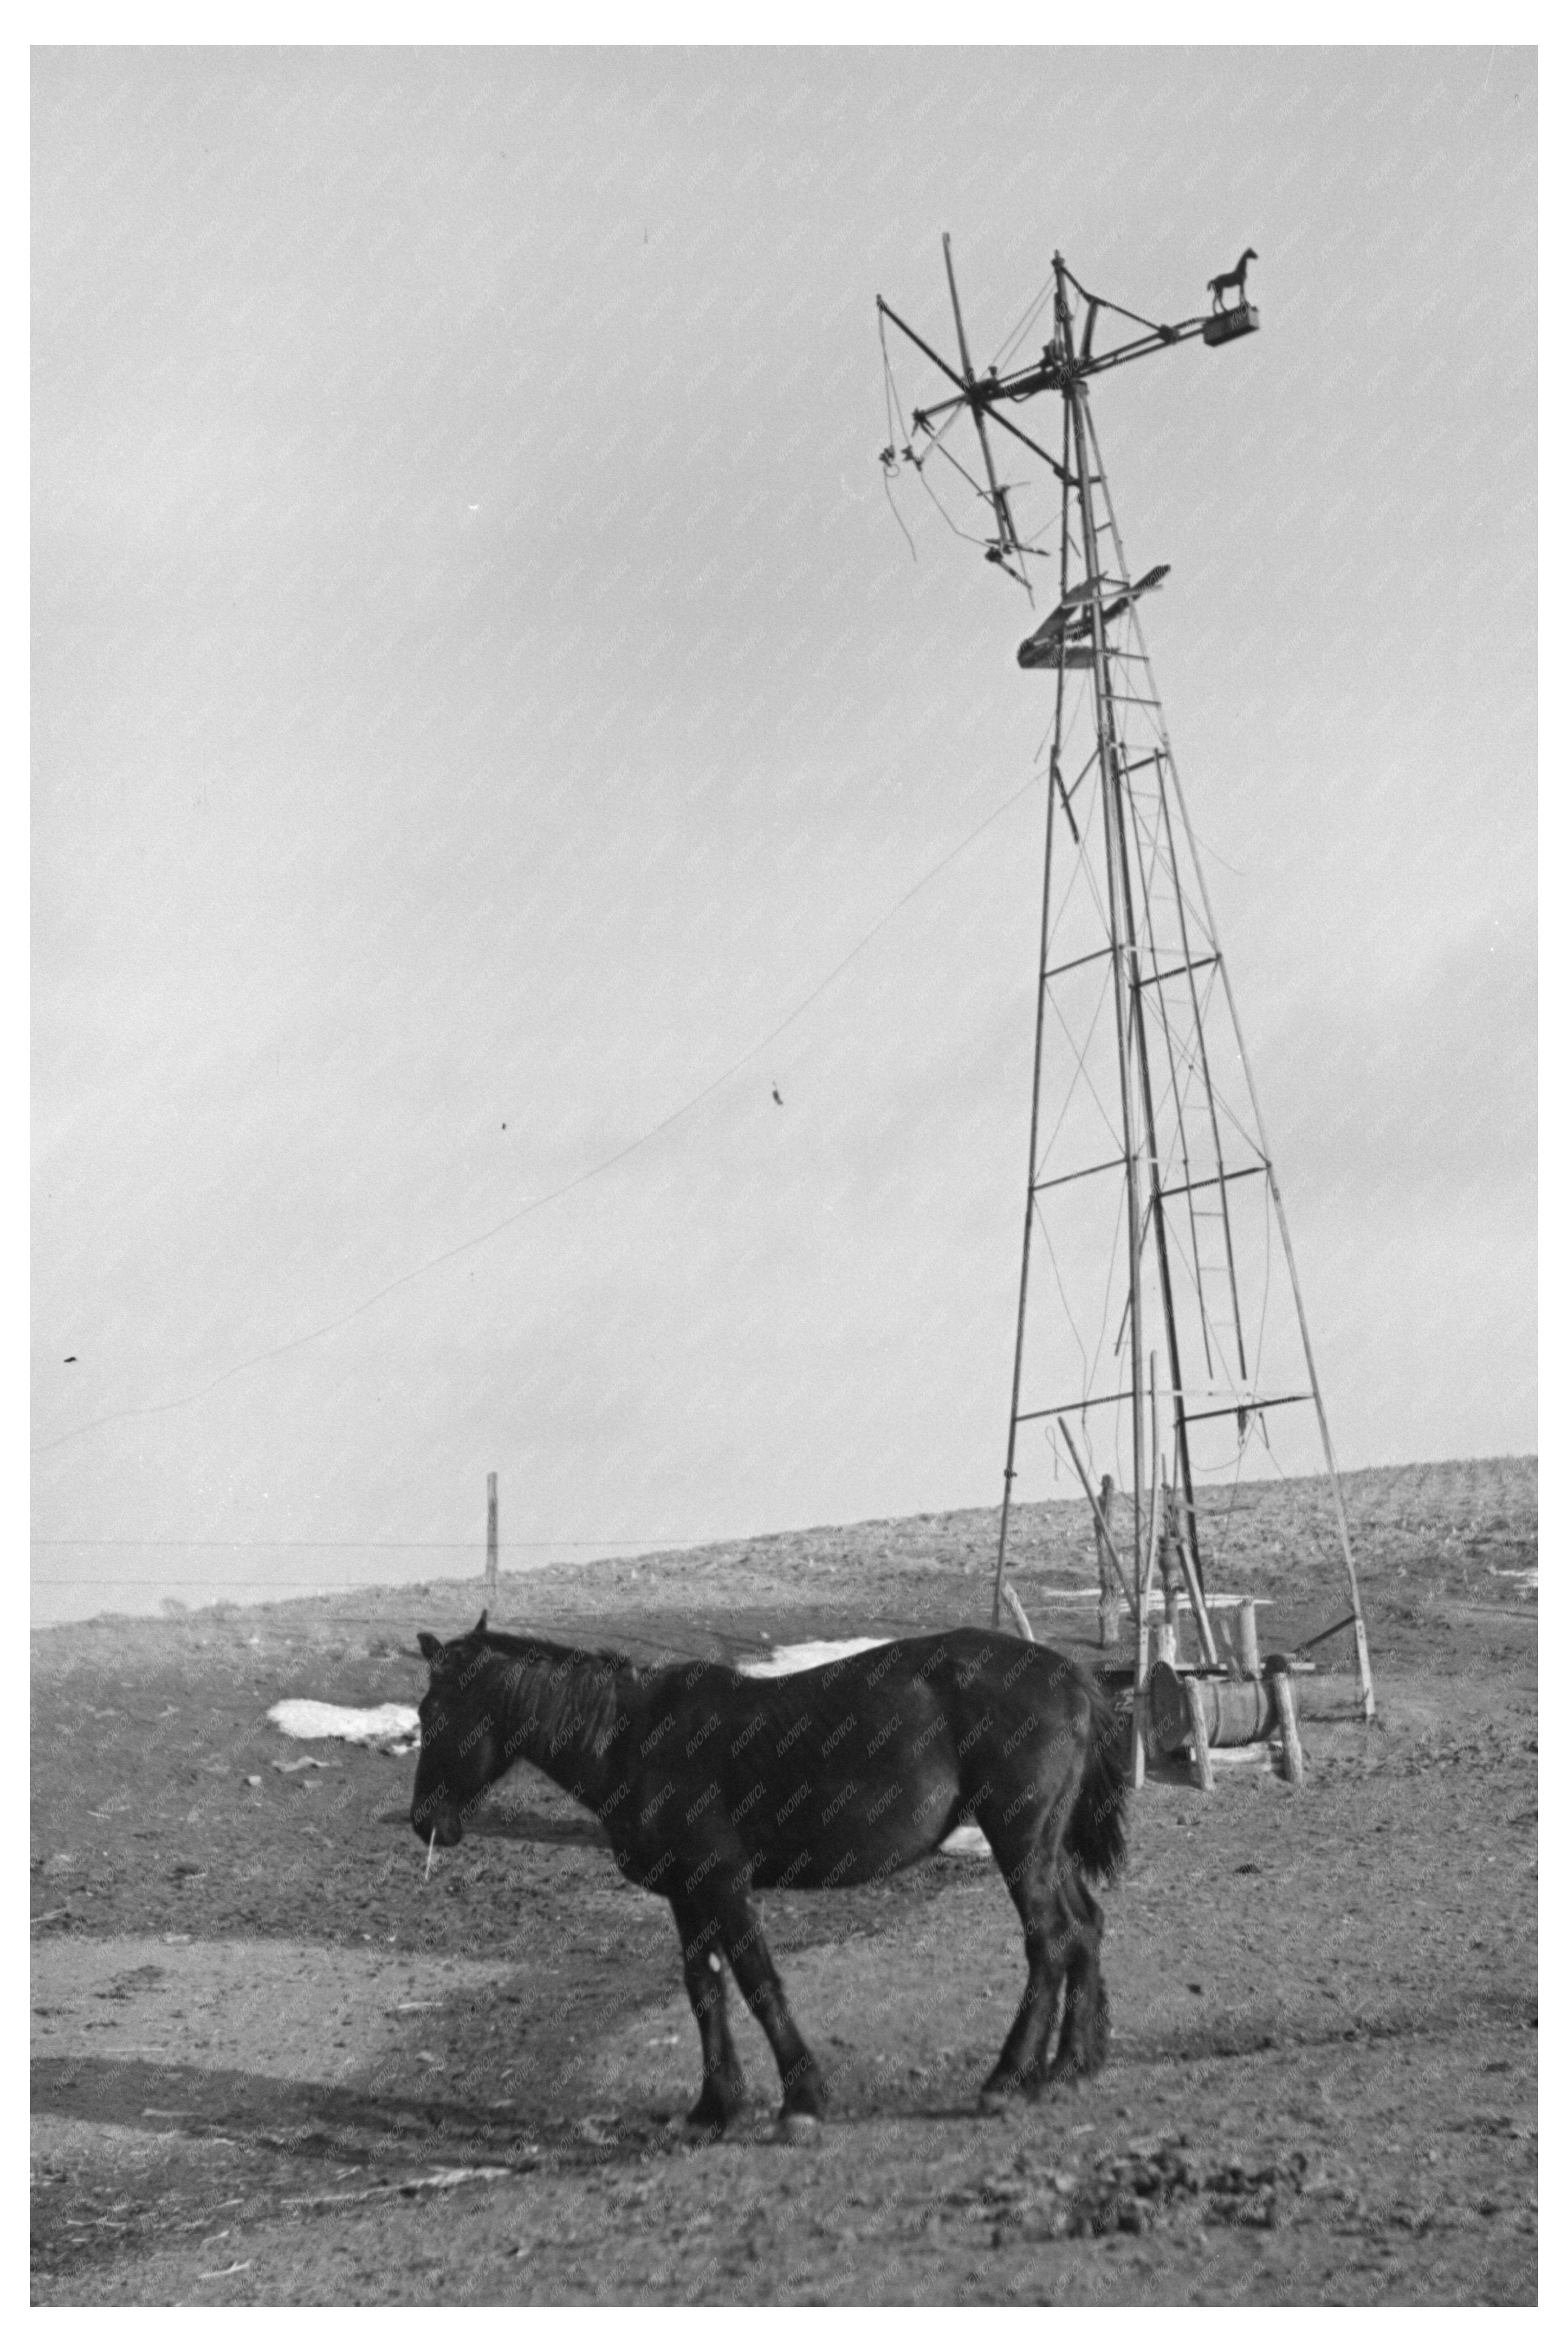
pixel 1197 1725
pixel 1015 1608
pixel 1165 1643
pixel 1094 1507
pixel 1140 1703
pixel 1170 1577
pixel 1247 1639
pixel 492 1543
pixel 1282 1690
pixel 1156 1471
pixel 1109 1605
pixel 1196 1602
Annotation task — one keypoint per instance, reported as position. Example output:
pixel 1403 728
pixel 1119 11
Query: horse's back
pixel 958 1685
pixel 853 1770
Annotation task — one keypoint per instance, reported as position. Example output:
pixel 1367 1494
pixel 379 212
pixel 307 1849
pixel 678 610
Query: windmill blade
pixel 1036 645
pixel 1059 641
pixel 1139 588
pixel 1006 532
pixel 1005 529
pixel 964 359
pixel 1065 625
pixel 1054 655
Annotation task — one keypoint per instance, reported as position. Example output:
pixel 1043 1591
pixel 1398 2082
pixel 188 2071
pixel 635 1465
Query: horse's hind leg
pixel 1021 2066
pixel 1026 1854
pixel 1086 2018
pixel 749 1957
pixel 1062 1939
pixel 723 2084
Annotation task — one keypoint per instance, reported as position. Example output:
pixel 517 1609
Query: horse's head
pixel 457 1743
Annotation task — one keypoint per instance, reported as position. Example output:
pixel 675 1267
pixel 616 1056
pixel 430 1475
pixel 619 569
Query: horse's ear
pixel 483 1624
pixel 431 1647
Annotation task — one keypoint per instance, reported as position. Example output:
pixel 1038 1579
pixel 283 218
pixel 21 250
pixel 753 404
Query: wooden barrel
pixel 1167 1709
pixel 1234 1713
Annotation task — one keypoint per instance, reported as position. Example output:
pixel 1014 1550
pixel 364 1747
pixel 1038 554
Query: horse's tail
pixel 1097 1827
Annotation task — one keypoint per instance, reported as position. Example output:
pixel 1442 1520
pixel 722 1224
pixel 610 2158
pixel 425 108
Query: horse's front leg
pixel 723 2084
pixel 748 1955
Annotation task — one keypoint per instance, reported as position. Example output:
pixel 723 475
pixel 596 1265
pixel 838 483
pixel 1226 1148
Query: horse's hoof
pixel 796 2127
pixel 996 2098
pixel 1070 2070
pixel 701 2118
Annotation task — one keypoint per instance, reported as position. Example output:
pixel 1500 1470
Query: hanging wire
pixel 1022 328
pixel 532 1208
pixel 1069 722
pixel 1112 1126
pixel 890 390
pixel 1092 1023
pixel 1217 1543
pixel 897 439
pixel 958 531
pixel 1083 1356
pixel 902 439
pixel 888 473
pixel 1152 326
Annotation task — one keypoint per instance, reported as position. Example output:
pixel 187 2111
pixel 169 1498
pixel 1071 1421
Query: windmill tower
pixel 1161 1332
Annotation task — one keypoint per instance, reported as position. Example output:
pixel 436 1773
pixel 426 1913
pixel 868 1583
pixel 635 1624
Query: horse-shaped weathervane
pixel 1221 286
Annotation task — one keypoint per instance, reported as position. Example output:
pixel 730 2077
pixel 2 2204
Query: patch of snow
pixel 1212 1601
pixel 367 1726
pixel 452 2176
pixel 799 1655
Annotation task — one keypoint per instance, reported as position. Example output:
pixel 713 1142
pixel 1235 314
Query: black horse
pixel 710 1785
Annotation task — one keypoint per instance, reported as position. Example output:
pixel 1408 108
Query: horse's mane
pixel 524 1645
pixel 569 1694
pixel 572 1693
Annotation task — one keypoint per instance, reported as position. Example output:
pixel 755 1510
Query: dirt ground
pixel 273 2063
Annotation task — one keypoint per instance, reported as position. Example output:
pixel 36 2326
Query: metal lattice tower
pixel 1159 1308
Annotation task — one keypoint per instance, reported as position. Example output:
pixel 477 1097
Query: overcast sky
pixel 481 690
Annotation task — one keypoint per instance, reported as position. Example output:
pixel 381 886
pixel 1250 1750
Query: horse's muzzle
pixel 434 1818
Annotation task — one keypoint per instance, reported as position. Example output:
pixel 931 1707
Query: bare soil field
pixel 274 2062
